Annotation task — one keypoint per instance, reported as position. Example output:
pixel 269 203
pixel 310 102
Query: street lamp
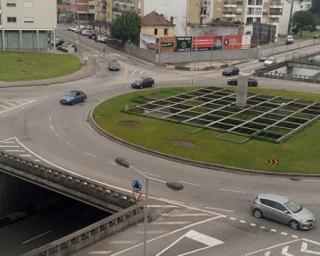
pixel 174 185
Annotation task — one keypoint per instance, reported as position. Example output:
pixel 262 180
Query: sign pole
pixel 145 219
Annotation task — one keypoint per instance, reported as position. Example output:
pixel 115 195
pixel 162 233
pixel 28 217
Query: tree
pixel 303 20
pixel 315 7
pixel 126 27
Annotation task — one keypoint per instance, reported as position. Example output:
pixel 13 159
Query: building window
pixel 11 19
pixel 155 31
pixel 11 4
pixel 165 31
pixel 28 3
pixel 28 20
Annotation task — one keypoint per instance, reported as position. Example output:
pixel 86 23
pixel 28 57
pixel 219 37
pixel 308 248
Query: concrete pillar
pixel 20 39
pixel 37 40
pixel 54 40
pixel 242 91
pixel 3 40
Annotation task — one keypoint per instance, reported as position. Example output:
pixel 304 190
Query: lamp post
pixel 174 185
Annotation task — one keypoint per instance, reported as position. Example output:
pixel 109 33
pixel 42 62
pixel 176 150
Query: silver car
pixel 283 210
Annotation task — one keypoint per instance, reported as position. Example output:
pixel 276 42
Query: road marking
pixel 170 223
pixel 189 183
pixel 284 251
pixel 25 155
pixel 162 206
pixel 273 230
pixel 208 241
pixel 70 144
pixel 151 231
pixel 172 201
pixel 274 246
pixel 233 218
pixel 304 247
pixel 51 127
pixel 252 224
pixel 219 209
pixel 151 174
pixel 15 150
pixel 243 221
pixel 36 237
pixel 294 236
pixel 186 215
pixel 10 104
pixel 123 242
pixel 9 109
pixel 4 106
pixel 284 233
pixel 9 146
pixel 231 190
pixel 88 153
pixel 100 253
pixel 262 227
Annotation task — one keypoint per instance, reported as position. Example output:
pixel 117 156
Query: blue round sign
pixel 136 185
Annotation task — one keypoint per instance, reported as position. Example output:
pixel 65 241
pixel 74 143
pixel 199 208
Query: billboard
pixel 148 42
pixel 246 42
pixel 183 44
pixel 202 43
pixel 167 44
pixel 232 42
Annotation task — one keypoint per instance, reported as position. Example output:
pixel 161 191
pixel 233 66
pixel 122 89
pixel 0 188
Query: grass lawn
pixel 21 66
pixel 298 154
pixel 308 34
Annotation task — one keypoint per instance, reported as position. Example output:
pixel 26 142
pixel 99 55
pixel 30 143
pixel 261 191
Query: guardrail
pixel 67 183
pixel 91 234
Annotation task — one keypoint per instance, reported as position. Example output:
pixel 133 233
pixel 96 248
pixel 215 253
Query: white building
pixel 298 5
pixel 173 10
pixel 27 24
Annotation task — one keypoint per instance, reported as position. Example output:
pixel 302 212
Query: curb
pixel 57 80
pixel 215 167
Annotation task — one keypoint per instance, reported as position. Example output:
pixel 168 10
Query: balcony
pixel 275 14
pixel 229 4
pixel 229 14
pixel 276 4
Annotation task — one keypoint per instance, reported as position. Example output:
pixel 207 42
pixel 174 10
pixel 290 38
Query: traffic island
pixel 185 134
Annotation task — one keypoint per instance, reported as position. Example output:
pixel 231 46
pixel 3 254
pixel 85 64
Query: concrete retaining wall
pixel 66 183
pixel 91 234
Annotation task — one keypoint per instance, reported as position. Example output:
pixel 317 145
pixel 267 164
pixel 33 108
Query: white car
pixel 102 38
pixel 290 40
pixel 270 61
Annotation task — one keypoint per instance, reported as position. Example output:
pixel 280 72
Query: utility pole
pixel 290 17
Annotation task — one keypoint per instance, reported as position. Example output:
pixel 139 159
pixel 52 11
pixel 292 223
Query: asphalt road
pixel 209 217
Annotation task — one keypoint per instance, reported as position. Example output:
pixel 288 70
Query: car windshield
pixel 70 94
pixel 293 207
pixel 139 80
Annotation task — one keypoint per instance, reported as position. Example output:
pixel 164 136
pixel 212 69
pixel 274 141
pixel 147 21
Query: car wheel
pixel 294 224
pixel 257 213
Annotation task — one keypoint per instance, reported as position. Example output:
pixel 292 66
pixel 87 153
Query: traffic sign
pixel 273 161
pixel 136 195
pixel 136 185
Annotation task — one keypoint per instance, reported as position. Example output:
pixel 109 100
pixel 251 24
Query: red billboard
pixel 168 44
pixel 207 43
pixel 232 42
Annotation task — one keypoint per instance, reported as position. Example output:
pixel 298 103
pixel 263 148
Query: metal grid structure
pixel 269 118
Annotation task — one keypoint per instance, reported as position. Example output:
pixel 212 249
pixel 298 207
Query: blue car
pixel 73 97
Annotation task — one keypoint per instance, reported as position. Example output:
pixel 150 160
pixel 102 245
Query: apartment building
pixel 27 24
pixel 120 6
pixel 83 10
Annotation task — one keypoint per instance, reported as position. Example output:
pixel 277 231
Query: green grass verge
pixel 22 66
pixel 298 154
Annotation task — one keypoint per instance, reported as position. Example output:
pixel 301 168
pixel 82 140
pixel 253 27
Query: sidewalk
pixel 87 70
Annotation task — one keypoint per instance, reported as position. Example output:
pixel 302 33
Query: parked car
pixel 270 61
pixel 66 47
pixel 114 65
pixel 230 71
pixel 290 40
pixel 102 38
pixel 283 210
pixel 87 32
pixel 262 58
pixel 58 41
pixel 73 97
pixel 93 36
pixel 252 82
pixel 143 82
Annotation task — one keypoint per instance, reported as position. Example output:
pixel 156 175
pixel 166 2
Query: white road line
pixel 15 150
pixel 151 174
pixel 284 251
pixel 273 230
pixel 231 190
pixel 168 234
pixel 17 106
pixel 252 224
pixel 284 233
pixel 70 144
pixel 154 232
pixel 9 146
pixel 186 215
pixel 51 127
pixel 243 221
pixel 294 236
pixel 99 252
pixel 36 160
pixel 233 218
pixel 219 209
pixel 9 142
pixel 189 183
pixel 25 155
pixel 36 237
pixel 162 206
pixel 123 242
pixel 263 227
pixel 10 104
pixel 170 223
pixel 172 201
pixel 88 153
pixel 4 106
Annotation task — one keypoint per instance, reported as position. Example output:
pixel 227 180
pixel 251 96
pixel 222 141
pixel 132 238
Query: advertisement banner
pixel 183 44
pixel 246 42
pixel 232 42
pixel 148 42
pixel 202 43
pixel 167 44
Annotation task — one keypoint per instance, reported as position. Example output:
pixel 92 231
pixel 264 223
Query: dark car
pixel 65 47
pixel 252 82
pixel 231 71
pixel 73 97
pixel 143 82
pixel 114 65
